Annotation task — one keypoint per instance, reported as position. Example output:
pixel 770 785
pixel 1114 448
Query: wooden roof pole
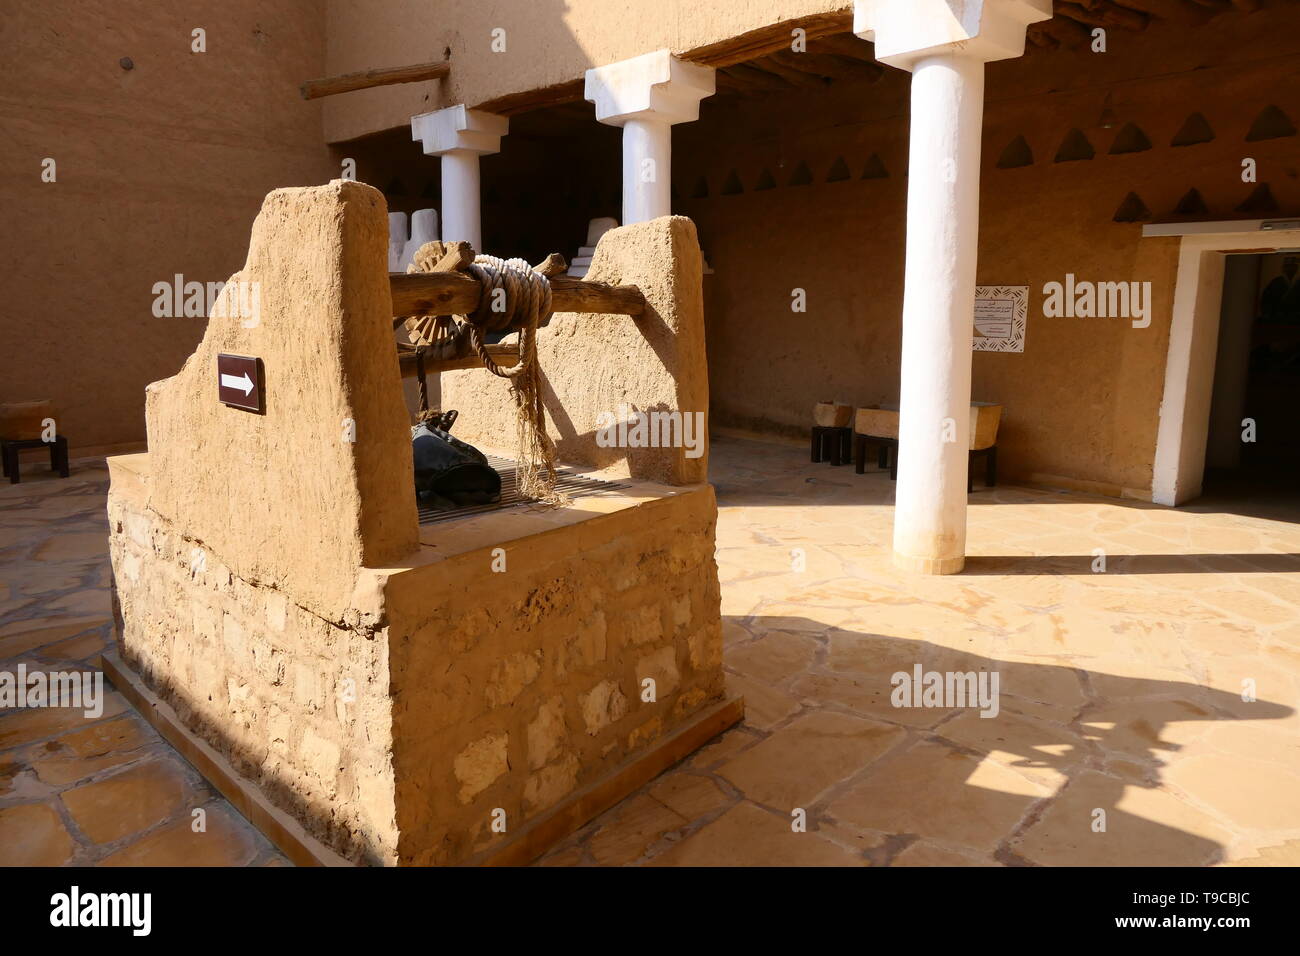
pixel 330 85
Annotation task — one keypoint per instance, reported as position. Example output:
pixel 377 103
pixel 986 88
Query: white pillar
pixel 646 95
pixel 460 136
pixel 462 217
pixel 945 44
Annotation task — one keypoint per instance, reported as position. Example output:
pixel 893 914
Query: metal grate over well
pixel 575 486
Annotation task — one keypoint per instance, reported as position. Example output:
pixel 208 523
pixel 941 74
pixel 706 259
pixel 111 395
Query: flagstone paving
pixel 1124 637
pixel 1122 736
pixel 106 791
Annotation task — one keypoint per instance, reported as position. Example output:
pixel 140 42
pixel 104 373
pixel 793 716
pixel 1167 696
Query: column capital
pixel 459 128
pixel 905 31
pixel 654 86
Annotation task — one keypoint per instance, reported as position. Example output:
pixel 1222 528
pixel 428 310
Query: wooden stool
pixel 10 447
pixel 882 457
pixel 990 467
pixel 885 460
pixel 831 441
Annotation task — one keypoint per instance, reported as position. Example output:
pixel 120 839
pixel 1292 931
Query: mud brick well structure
pixel 396 689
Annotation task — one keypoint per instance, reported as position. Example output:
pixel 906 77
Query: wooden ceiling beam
pixel 569 91
pixel 846 44
pixel 796 78
pixel 1103 14
pixel 759 80
pixel 826 65
pixel 769 39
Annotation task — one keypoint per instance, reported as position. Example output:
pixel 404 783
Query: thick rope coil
pixel 514 295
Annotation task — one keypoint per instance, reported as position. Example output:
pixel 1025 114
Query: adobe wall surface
pixel 1082 401
pixel 160 170
pixel 546 42
pixel 514 687
pixel 593 364
pixel 302 496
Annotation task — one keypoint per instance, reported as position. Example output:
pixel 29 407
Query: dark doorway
pixel 1252 461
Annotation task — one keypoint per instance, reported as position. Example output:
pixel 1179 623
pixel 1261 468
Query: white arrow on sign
pixel 243 383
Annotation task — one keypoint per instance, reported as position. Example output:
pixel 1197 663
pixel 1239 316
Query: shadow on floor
pixel 1071 747
pixel 1082 564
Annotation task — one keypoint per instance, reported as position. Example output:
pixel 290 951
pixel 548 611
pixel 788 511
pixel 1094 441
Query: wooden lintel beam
pixel 826 65
pixel 454 293
pixel 330 85
pixel 1103 14
pixel 747 74
pixel 769 39
pixel 847 44
pixel 570 91
pixel 853 48
pixel 798 78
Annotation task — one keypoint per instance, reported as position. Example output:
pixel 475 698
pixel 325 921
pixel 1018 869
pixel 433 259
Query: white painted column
pixel 945 44
pixel 647 148
pixel 462 216
pixel 646 95
pixel 460 136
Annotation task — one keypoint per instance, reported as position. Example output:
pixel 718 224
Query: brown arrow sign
pixel 239 382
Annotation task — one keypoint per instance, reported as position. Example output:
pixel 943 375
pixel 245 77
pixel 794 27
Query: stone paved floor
pixel 107 791
pixel 1121 692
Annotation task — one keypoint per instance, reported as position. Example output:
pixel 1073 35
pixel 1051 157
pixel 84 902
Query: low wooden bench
pixel 890 461
pixel 833 442
pixel 985 417
pixel 10 447
pixel 22 426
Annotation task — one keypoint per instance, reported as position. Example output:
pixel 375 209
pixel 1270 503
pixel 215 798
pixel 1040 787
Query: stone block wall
pixel 514 688
pixel 297 704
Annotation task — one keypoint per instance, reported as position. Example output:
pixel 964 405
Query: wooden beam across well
pixel 454 293
pixel 504 355
pixel 330 85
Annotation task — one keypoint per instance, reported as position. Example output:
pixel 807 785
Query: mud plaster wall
pixel 303 496
pixel 1083 400
pixel 513 690
pixel 594 363
pixel 161 170
pixel 547 42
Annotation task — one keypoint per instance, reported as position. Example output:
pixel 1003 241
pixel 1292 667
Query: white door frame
pixel 1193 342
